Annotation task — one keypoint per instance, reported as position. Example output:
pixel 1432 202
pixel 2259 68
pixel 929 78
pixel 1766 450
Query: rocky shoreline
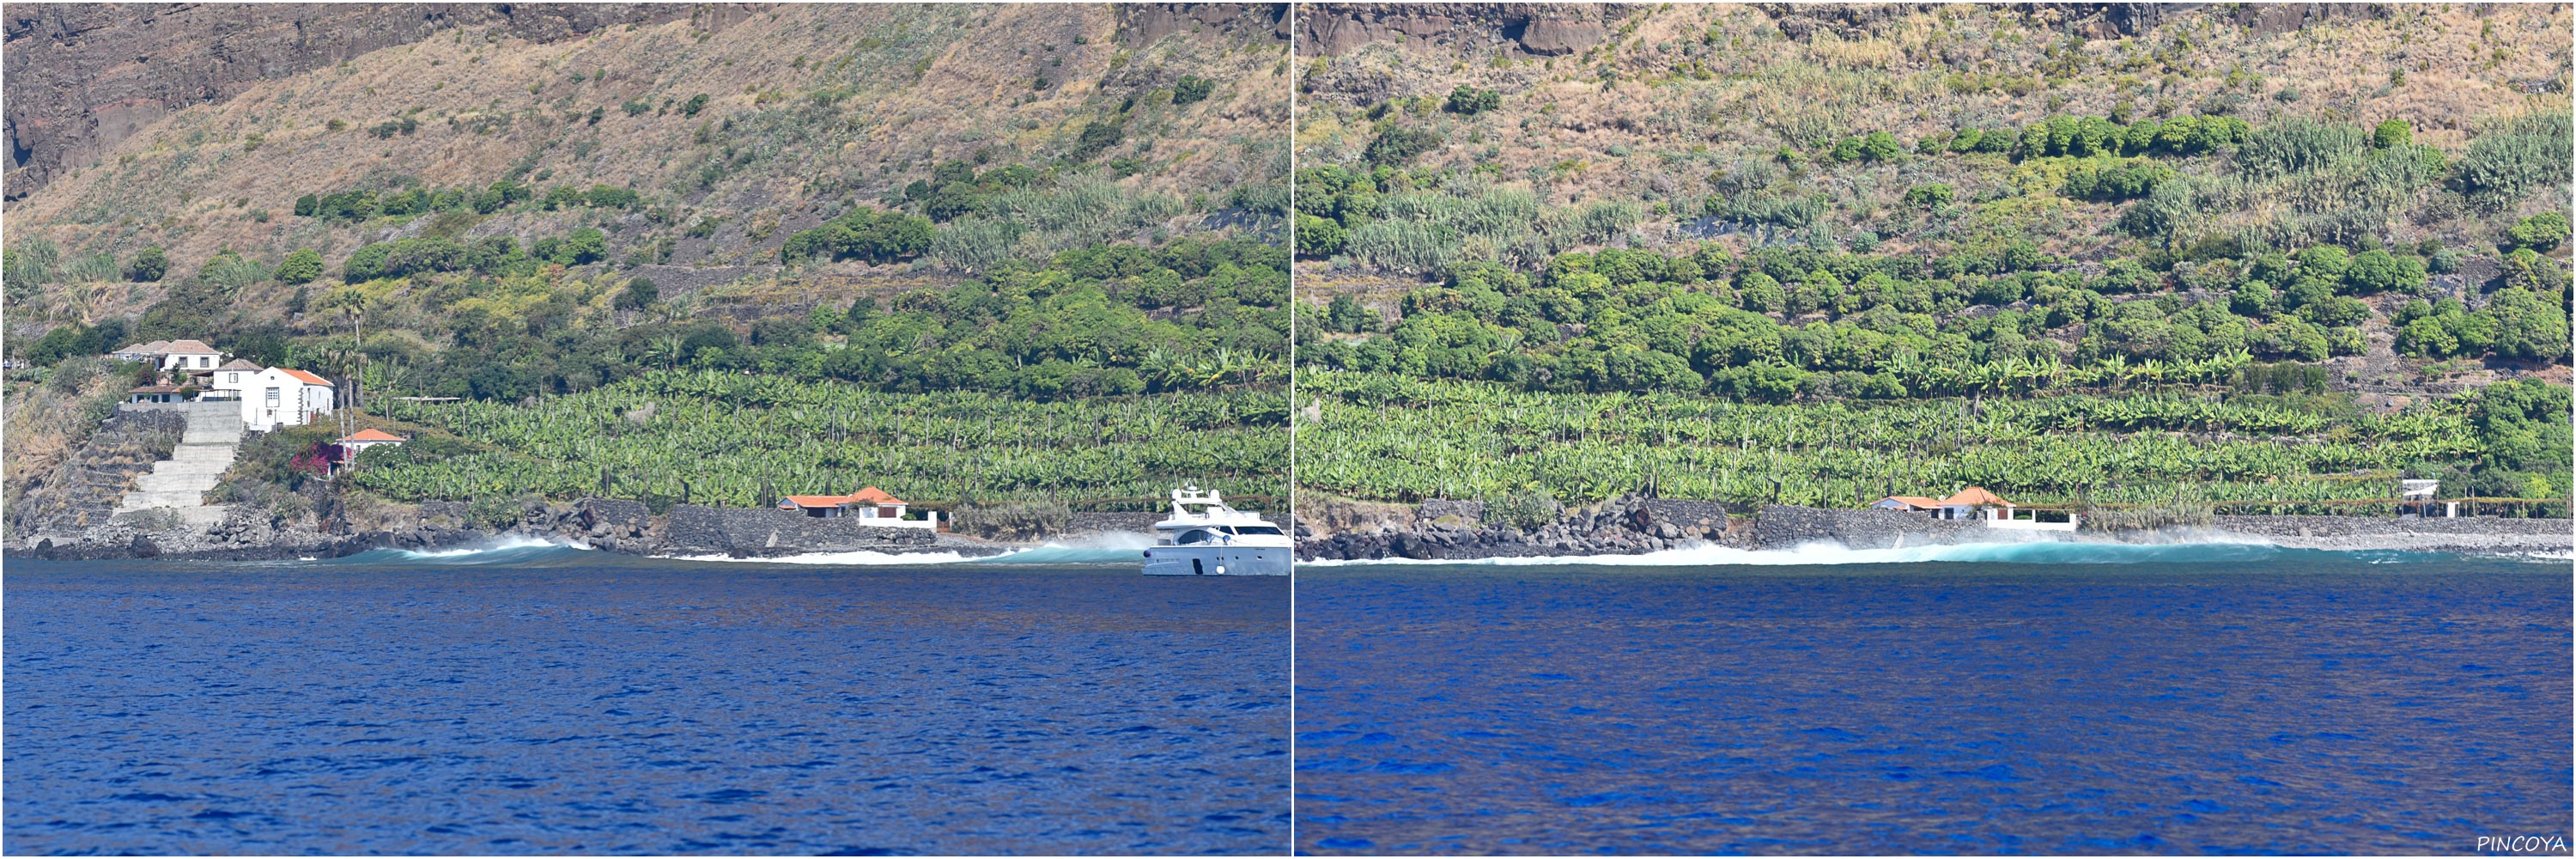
pixel 611 525
pixel 1434 530
pixel 1457 530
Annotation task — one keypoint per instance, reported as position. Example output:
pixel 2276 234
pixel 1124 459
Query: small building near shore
pixel 1976 503
pixel 880 508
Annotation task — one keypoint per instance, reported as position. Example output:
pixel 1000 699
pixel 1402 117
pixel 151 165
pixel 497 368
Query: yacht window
pixel 1264 530
pixel 1194 537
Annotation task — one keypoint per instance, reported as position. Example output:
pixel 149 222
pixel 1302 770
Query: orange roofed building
pixel 1976 503
pixel 1964 505
pixel 880 508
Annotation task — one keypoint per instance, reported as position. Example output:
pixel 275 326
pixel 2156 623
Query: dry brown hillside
pixel 1670 103
pixel 807 109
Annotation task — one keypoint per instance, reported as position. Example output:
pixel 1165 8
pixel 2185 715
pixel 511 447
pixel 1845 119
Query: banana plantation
pixel 1399 438
pixel 710 437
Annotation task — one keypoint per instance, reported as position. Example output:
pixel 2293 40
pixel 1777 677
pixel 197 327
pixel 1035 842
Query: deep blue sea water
pixel 562 701
pixel 2195 700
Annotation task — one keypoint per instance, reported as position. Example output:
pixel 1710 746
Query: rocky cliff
pixel 83 76
pixel 1514 29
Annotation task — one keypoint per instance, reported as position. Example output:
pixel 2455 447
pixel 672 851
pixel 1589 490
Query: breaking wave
pixel 503 549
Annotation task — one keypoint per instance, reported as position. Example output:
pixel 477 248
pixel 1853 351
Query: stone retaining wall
pixel 1782 526
pixel 2359 526
pixel 693 529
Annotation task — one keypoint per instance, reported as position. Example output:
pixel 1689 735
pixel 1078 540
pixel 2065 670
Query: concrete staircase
pixel 179 484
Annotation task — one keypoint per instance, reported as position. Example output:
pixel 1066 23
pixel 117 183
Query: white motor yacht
pixel 1206 538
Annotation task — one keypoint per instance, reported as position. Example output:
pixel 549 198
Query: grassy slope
pixel 1659 133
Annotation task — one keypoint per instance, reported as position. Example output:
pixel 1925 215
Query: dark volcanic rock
pixel 764 532
pixel 1142 23
pixel 1453 530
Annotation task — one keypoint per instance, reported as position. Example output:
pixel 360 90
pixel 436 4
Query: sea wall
pixel 1460 530
pixel 1781 526
pixel 2468 534
pixel 754 532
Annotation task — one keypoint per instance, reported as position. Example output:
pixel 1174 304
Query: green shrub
pixel 2377 271
pixel 2114 182
pixel 1398 146
pixel 874 236
pixel 1931 196
pixel 695 103
pixel 1320 237
pixel 1526 511
pixel 149 265
pixel 1191 89
pixel 1469 101
pixel 2392 134
pixel 2543 232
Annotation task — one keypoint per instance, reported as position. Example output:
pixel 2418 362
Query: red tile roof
pixel 1975 496
pixel 1915 501
pixel 307 378
pixel 870 495
pixel 374 435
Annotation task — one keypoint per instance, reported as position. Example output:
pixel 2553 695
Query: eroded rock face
pixel 1549 37
pixel 1527 30
pixel 82 77
pixel 1142 23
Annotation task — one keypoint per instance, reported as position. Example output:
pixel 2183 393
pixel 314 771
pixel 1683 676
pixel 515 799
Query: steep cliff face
pixel 84 76
pixel 1517 30
pixel 1142 23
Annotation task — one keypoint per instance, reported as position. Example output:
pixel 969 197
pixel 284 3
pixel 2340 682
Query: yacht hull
pixel 1217 561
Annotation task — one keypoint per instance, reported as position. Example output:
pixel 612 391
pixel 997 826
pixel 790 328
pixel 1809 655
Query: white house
pixel 224 382
pixel 183 356
pixel 180 356
pixel 276 396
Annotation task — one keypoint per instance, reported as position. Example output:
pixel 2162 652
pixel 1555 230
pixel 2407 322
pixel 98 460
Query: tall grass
pixel 2514 157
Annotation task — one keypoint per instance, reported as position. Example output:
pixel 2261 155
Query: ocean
pixel 538 699
pixel 2042 698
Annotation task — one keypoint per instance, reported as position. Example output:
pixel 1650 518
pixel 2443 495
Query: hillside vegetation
pixel 691 143
pixel 1833 206
pixel 1068 214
